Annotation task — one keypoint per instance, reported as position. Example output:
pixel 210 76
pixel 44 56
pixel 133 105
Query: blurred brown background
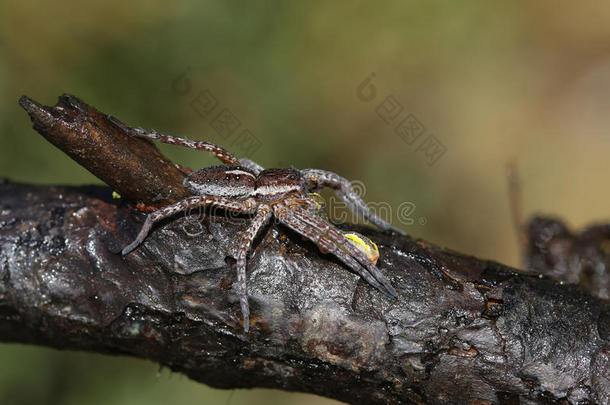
pixel 489 83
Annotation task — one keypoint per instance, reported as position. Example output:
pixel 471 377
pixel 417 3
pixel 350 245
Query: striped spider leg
pixel 263 215
pixel 246 206
pixel 252 165
pixel 327 237
pixel 343 188
pixel 220 153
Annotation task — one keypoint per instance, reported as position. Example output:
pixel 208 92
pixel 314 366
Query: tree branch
pixel 464 330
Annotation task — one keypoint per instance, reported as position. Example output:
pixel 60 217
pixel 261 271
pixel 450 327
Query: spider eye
pixel 293 177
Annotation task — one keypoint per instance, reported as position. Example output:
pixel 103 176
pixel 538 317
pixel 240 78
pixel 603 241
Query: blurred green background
pixel 492 82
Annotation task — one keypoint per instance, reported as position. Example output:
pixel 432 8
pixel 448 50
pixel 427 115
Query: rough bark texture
pixel 133 166
pixel 464 330
pixel 584 259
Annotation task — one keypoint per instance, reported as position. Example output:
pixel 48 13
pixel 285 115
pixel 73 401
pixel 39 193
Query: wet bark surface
pixel 463 330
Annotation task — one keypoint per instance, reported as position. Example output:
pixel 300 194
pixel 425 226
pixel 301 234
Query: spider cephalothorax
pixel 245 187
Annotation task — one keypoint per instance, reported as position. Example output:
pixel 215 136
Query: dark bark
pixel 464 330
pixel 579 258
pixel 132 166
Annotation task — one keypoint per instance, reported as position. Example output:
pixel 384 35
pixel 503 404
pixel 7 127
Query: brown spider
pixel 245 187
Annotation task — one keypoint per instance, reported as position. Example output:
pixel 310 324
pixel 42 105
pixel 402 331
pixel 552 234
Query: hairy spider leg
pixel 330 240
pixel 343 188
pixel 220 153
pixel 346 246
pixel 246 206
pixel 325 242
pixel 263 215
pixel 251 164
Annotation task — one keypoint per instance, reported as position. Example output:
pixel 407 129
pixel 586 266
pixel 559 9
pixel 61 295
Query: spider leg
pixel 245 242
pixel 342 187
pixel 327 237
pixel 220 153
pixel 345 246
pixel 251 164
pixel 245 206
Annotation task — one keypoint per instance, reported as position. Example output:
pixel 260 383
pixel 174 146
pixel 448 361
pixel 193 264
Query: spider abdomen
pixel 222 181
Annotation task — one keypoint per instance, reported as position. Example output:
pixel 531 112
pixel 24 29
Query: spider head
pixel 273 184
pixel 222 181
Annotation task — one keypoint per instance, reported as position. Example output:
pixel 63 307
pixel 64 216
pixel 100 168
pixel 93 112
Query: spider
pixel 243 186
